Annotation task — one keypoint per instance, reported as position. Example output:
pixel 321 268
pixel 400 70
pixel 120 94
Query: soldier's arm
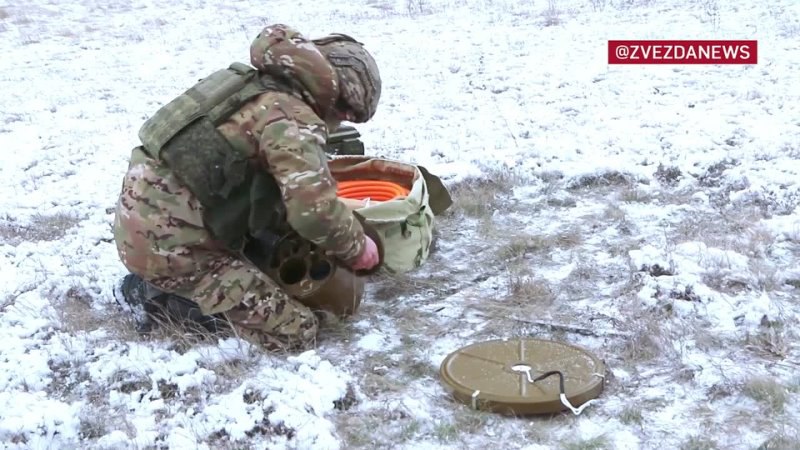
pixel 293 153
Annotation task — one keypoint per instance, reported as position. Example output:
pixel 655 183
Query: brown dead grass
pixel 98 419
pixel 388 287
pixel 513 245
pixel 769 392
pixel 651 336
pixel 480 197
pixel 787 436
pixel 528 291
pixel 41 227
pixel 634 194
pixel 75 312
pixel 600 180
pixel 772 340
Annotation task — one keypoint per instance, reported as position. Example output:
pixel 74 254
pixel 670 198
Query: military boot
pixel 187 313
pixel 151 306
pixel 136 294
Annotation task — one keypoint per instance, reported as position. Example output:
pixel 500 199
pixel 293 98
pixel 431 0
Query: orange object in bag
pixel 374 190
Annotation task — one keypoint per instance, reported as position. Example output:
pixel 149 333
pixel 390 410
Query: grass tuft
pixel 42 227
pixel 767 391
pixel 699 443
pixel 595 443
pixel 481 197
pixel 785 438
pixel 631 415
pixel 601 179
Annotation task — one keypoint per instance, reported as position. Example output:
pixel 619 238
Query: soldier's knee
pixel 299 335
pixel 304 329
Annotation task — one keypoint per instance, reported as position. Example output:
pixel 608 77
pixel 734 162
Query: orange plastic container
pixel 374 190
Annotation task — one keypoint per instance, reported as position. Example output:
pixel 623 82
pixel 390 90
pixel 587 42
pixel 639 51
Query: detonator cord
pixel 562 390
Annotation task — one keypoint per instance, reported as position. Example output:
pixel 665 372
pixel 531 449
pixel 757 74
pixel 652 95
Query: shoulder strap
pixel 215 96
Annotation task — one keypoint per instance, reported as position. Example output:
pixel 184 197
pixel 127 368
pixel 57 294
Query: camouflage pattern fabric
pixel 160 236
pixel 159 227
pixel 359 77
pixel 285 138
pixel 285 48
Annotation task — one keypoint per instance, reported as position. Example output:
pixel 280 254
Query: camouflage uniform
pixel 159 227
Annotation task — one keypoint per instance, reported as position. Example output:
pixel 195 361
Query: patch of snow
pixel 490 89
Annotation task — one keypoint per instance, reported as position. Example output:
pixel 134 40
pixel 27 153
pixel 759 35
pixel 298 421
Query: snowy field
pixel 646 213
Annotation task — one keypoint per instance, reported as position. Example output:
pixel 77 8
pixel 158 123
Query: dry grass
pixel 417 7
pixel 758 241
pixel 668 175
pixel 528 292
pixel 551 14
pixel 597 443
pixel 520 245
pixel 596 181
pixel 71 382
pixel 616 216
pixel 739 230
pixel 398 427
pixel 464 423
pixel 42 227
pixel 646 344
pixel 98 419
pixel 769 392
pixel 634 194
pixel 188 335
pixel 388 287
pixel 699 443
pixel 525 296
pixel 75 312
pixel 393 369
pixel 721 277
pixel 598 5
pixel 744 235
pixel 714 174
pixel 632 415
pixel 787 437
pixel 767 276
pixel 480 197
pixel 583 279
pixel 336 331
pixel 649 336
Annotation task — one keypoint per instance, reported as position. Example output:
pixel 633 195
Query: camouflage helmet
pixel 282 50
pixel 359 78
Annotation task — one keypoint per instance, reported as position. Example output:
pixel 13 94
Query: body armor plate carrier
pixel 183 134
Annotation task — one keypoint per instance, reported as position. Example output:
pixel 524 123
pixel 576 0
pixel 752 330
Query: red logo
pixel 683 52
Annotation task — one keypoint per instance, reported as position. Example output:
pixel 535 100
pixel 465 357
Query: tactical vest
pixel 236 198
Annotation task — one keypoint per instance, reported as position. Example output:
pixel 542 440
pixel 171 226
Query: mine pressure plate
pixel 523 376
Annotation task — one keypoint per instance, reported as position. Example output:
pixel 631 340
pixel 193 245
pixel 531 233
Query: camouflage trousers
pixel 159 232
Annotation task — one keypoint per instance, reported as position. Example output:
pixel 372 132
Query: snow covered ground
pixel 653 209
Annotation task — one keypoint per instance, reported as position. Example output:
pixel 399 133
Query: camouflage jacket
pixel 282 134
pixel 285 137
pixel 286 133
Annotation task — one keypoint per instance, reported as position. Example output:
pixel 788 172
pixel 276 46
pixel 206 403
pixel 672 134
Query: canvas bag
pixel 404 225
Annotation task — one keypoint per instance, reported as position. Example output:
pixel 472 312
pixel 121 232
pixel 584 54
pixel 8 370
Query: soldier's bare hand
pixel 369 257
